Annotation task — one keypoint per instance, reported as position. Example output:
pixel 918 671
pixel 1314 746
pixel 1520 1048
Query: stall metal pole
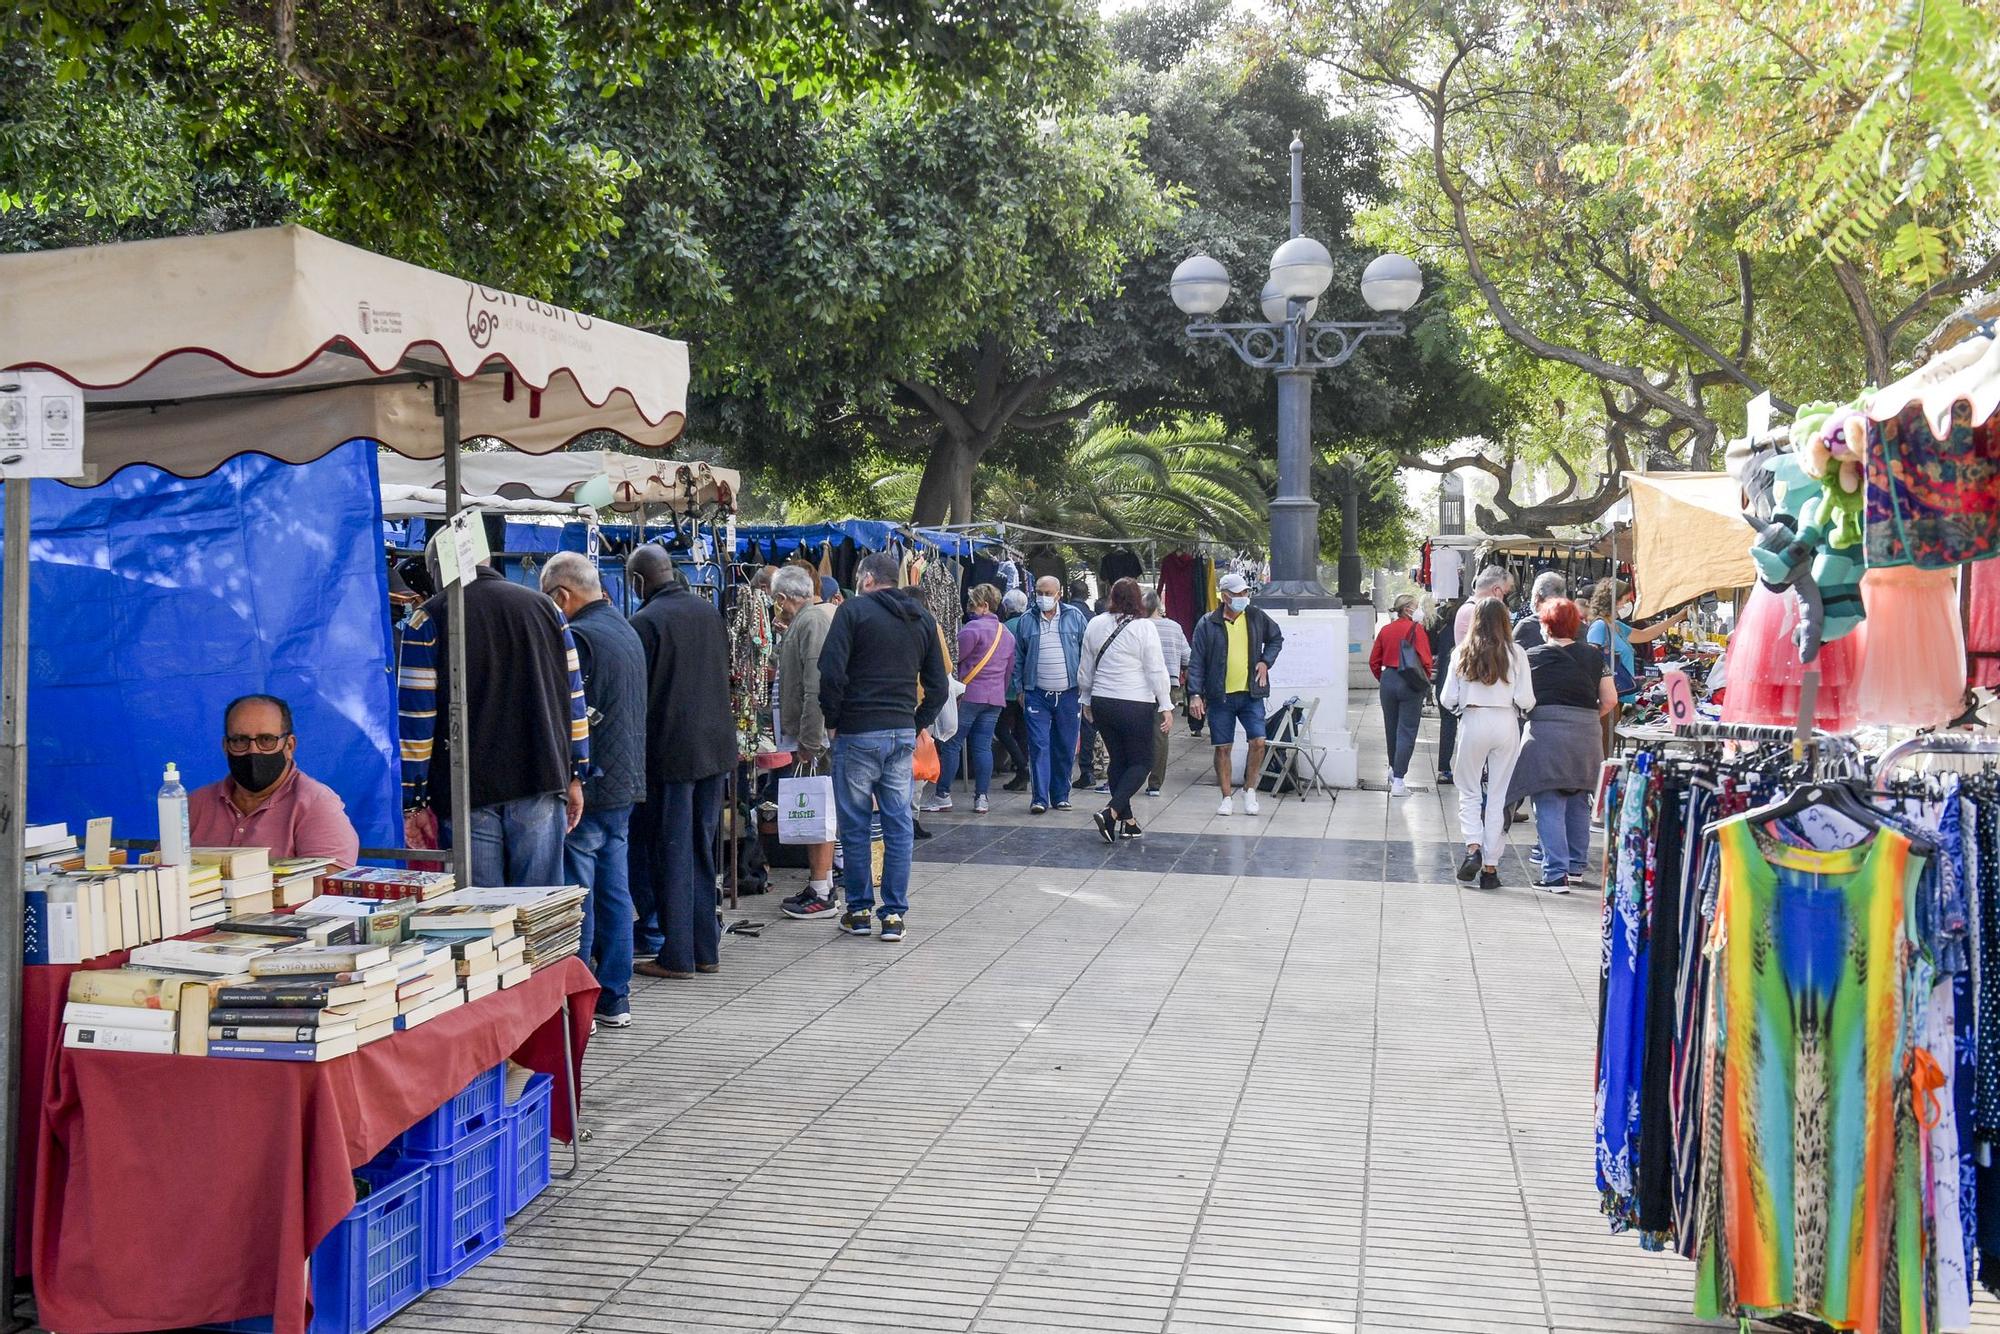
pixel 13 855
pixel 454 601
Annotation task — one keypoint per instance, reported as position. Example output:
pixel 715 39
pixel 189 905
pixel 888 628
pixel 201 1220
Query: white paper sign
pixel 1758 415
pixel 41 425
pixel 1315 653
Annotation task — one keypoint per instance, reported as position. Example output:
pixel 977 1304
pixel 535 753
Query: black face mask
pixel 255 772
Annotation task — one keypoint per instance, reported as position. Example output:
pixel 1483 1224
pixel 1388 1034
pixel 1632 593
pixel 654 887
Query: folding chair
pixel 1290 757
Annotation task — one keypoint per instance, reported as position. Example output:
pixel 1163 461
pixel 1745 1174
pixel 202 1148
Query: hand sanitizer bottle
pixel 174 849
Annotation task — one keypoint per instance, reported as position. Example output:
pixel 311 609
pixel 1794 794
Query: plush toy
pixel 1794 550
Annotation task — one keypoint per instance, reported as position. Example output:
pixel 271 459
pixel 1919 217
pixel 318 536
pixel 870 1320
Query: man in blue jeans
pixel 1046 654
pixel 595 855
pixel 881 646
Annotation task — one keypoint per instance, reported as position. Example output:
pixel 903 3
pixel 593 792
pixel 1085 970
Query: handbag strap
pixel 1098 661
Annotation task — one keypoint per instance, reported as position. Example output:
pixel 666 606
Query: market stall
pixel 184 353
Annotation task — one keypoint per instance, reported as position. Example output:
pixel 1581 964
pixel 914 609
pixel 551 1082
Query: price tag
pixel 1680 699
pixel 41 425
pixel 1758 415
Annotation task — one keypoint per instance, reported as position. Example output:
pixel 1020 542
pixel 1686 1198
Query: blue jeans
pixel 975 727
pixel 518 843
pixel 1228 712
pixel 595 856
pixel 1562 821
pixel 682 821
pixel 871 774
pixel 1052 720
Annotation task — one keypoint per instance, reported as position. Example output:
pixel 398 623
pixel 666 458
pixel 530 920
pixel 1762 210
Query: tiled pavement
pixel 1273 1074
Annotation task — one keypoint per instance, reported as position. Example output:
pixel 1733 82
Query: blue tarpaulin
pixel 155 599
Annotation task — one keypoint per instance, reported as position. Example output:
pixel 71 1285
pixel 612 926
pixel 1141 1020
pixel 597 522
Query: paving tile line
pixel 862 1077
pixel 1236 1104
pixel 633 1055
pixel 1368 1133
pixel 1506 1112
pixel 1000 1279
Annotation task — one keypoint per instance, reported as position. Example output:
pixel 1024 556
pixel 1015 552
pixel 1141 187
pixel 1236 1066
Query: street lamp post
pixel 1290 343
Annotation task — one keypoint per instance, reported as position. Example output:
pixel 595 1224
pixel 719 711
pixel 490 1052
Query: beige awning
pixel 280 341
pixel 1688 537
pixel 634 481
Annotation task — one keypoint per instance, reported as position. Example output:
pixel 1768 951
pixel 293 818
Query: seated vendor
pixel 266 802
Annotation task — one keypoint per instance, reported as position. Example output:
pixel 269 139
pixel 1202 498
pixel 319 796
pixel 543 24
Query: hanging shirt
pixel 1447 563
pixel 1236 672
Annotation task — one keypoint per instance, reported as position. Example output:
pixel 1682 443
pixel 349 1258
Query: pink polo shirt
pixel 303 818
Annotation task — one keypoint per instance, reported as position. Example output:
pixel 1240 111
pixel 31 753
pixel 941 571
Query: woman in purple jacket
pixel 985 658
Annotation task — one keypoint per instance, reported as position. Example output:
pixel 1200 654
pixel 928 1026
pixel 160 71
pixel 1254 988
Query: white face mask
pixel 1625 612
pixel 1239 604
pixel 1046 601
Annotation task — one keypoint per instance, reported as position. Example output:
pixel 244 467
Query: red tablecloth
pixel 176 1191
pixel 44 992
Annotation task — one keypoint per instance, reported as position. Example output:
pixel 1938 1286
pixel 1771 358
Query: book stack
pixel 296 879
pixel 381 921
pixel 427 984
pixel 485 948
pixel 548 917
pixel 206 905
pixel 141 1009
pixel 51 847
pixel 305 928
pixel 381 882
pixel 306 1003
pixel 217 954
pixel 72 916
pixel 247 886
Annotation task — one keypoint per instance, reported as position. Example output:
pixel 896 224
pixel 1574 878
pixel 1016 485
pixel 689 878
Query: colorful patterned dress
pixel 1813 1195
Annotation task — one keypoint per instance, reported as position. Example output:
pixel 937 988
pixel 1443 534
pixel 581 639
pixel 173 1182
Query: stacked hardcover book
pixel 486 951
pixel 427 982
pixel 141 1009
pixel 377 882
pixel 247 887
pixel 549 918
pixel 296 879
pixel 307 1003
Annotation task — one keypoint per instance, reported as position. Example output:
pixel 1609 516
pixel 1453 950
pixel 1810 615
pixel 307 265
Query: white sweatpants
pixel 1489 739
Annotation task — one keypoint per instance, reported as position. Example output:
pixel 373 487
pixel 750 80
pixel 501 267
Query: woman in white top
pixel 1122 685
pixel 1489 687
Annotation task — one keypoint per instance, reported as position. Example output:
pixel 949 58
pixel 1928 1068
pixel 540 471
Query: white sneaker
pixel 1397 787
pixel 937 806
pixel 1228 806
pixel 1249 801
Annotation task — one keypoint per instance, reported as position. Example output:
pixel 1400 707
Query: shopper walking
pixel 1547 588
pixel 1175 651
pixel 882 679
pixel 1401 661
pixel 1048 648
pixel 1123 685
pixel 1011 732
pixel 1562 749
pixel 690 749
pixel 1444 637
pixel 1229 678
pixel 597 853
pixel 1488 686
pixel 806 618
pixel 525 719
pixel 985 664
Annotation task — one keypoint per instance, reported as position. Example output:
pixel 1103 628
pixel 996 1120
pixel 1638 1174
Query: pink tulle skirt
pixel 1765 672
pixel 1913 674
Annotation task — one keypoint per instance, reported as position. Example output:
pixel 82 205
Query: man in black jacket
pixel 881 645
pixel 596 854
pixel 690 749
pixel 1229 678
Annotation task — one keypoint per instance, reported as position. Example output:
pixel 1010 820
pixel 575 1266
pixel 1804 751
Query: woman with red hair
pixel 1562 750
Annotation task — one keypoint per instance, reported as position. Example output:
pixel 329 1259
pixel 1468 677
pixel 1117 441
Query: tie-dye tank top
pixel 1811 1202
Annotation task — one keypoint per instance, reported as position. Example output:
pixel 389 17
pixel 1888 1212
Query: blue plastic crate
pixel 479 1107
pixel 465 1205
pixel 375 1262
pixel 528 1149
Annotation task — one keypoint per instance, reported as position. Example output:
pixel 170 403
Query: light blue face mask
pixel 1045 601
pixel 1239 604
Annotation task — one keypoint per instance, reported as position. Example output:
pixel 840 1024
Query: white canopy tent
pixel 630 481
pixel 192 350
pixel 423 502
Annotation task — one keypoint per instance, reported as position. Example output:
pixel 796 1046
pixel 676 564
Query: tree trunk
pixel 945 493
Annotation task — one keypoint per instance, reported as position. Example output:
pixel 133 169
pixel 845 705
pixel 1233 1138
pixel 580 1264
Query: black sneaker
pixel 1018 783
pixel 892 927
pixel 1130 829
pixel 1444 778
pixel 858 923
pixel 1038 808
pixel 806 906
pixel 1468 870
pixel 1559 885
pixel 1489 880
pixel 623 1020
pixel 1107 825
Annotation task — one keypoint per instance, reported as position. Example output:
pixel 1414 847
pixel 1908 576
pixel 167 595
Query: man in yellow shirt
pixel 1229 677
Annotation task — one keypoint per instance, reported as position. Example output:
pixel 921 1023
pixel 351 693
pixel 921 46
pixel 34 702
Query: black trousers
pixel 1012 734
pixel 1127 726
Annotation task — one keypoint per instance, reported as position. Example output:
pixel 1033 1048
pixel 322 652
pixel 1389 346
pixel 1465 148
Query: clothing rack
pixel 1933 743
pixel 1841 747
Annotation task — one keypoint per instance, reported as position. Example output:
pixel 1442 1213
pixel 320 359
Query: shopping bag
pixel 924 767
pixel 805 810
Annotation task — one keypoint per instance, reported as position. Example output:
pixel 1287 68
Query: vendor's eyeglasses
pixel 267 743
